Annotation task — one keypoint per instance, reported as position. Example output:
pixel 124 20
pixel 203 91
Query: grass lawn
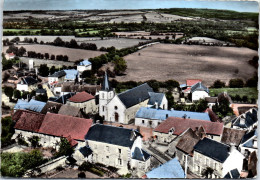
pixel 249 92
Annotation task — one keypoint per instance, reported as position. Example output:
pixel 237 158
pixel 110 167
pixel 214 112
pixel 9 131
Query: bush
pixel 96 171
pixel 236 83
pixel 85 166
pixel 81 175
pixel 7 131
pixel 21 141
pixel 59 168
pixel 218 84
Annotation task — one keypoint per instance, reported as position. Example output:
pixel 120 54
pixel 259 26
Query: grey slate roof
pixel 199 87
pixel 233 174
pixel 28 80
pixel 212 149
pixel 155 97
pixel 249 135
pixel 140 154
pixel 111 135
pixel 105 85
pixel 249 117
pixel 135 95
pixel 62 99
pixel 58 74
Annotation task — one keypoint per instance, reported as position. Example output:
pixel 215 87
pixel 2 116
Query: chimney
pixel 156 105
pixel 232 148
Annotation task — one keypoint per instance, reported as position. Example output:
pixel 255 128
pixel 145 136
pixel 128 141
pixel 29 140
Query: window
pixel 198 168
pixel 103 95
pixel 120 161
pixel 207 162
pixel 115 107
pixel 107 148
pixel 159 123
pixel 142 121
pixel 103 108
pixel 216 166
pixel 119 150
pixel 107 157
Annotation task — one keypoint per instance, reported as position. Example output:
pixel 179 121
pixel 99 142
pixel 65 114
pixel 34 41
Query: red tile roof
pixel 28 121
pixel 212 115
pixel 181 124
pixel 81 97
pixel 72 141
pixel 190 82
pixel 65 126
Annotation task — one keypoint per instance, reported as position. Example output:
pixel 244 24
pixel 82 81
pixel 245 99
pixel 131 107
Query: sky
pixel 241 6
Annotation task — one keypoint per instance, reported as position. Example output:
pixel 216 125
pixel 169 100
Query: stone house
pixel 247 121
pixel 122 107
pixel 150 117
pixel 84 101
pixel 27 84
pixel 50 128
pixel 71 111
pixel 249 143
pixel 51 107
pixel 172 127
pixel 219 157
pixel 182 146
pixel 118 147
pixel 232 136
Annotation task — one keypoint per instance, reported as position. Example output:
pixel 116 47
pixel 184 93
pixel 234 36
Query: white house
pixel 249 142
pixel 199 91
pixel 84 65
pixel 118 147
pixel 57 77
pixel 219 157
pixel 122 107
pixel 27 84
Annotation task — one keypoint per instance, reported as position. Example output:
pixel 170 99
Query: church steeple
pixel 105 84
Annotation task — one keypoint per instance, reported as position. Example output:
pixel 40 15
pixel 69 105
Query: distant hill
pixel 211 13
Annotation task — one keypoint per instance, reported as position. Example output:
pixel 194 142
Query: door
pixel 116 116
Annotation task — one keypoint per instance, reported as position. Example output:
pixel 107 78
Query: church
pixel 122 107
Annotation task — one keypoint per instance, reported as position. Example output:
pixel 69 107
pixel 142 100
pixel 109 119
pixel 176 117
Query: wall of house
pixel 164 103
pixel 22 87
pixel 234 160
pixel 163 137
pixel 197 95
pixel 88 106
pixel 53 79
pixel 202 161
pixel 113 107
pixel 84 68
pixel 181 157
pixel 147 122
pixel 131 112
pixel 109 154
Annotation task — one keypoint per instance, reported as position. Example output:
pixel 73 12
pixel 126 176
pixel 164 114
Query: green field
pixel 17 30
pixel 249 92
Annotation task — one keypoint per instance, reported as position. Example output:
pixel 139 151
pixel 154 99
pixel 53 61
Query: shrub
pixel 59 168
pixel 81 175
pixel 236 83
pixel 85 166
pixel 218 84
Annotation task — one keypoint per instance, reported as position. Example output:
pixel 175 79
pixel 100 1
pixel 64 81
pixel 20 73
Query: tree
pixel 222 108
pixel 12 49
pixel 120 65
pixel 73 44
pixel 43 98
pixel 9 92
pixel 65 148
pixel 17 94
pixel 218 84
pixel 44 70
pixel 35 40
pixel 46 55
pixel 58 42
pixel 52 70
pixel 207 173
pixel 34 140
pixel 52 57
pixel 21 51
pixel 65 58
pixel 170 99
pixel 236 83
pixel 7 131
pixel 171 84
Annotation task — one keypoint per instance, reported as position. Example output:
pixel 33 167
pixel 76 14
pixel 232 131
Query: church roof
pixel 135 95
pixel 105 85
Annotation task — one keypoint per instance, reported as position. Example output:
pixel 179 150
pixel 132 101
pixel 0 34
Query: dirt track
pixel 181 62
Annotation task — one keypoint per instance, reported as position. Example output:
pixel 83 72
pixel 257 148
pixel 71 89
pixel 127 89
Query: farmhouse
pixel 122 107
pixel 172 127
pixel 84 65
pixel 219 157
pixel 27 84
pixel 118 147
pixel 50 128
pixel 84 101
pixel 150 117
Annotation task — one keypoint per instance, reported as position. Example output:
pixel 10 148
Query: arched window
pixel 115 107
